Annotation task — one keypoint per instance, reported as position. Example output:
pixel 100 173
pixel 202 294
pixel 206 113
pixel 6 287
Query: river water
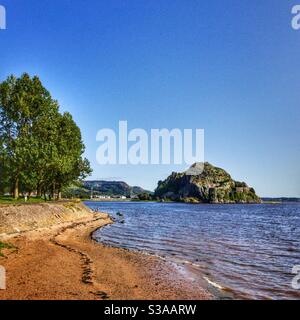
pixel 249 250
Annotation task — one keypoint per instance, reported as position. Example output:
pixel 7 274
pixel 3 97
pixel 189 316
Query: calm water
pixel 249 249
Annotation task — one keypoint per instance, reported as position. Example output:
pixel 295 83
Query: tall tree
pixel 40 149
pixel 67 164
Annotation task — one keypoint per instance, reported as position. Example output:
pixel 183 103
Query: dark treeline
pixel 40 148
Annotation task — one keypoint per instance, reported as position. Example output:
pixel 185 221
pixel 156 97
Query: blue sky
pixel 228 66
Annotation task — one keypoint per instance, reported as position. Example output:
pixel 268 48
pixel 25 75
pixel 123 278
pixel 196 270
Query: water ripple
pixel 249 249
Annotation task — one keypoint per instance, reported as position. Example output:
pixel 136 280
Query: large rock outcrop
pixel 204 183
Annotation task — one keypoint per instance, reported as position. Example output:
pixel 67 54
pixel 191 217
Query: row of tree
pixel 40 148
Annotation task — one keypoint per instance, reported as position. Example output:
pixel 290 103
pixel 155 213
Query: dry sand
pixel 63 262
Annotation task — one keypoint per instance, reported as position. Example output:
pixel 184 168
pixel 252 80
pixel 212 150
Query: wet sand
pixel 63 262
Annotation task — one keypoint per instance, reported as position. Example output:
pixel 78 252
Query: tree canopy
pixel 41 149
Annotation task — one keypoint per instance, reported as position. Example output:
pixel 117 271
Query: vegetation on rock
pixel 204 183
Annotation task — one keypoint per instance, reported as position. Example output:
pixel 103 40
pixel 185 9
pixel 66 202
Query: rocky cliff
pixel 204 183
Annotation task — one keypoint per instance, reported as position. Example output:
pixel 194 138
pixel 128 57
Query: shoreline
pixel 188 269
pixel 64 262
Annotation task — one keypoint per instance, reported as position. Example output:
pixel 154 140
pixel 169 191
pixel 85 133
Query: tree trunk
pixel 16 189
pixel 59 195
pixel 39 191
pixel 53 191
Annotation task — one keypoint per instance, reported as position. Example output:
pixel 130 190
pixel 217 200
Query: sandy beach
pixel 64 262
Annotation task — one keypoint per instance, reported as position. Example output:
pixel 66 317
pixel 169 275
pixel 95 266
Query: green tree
pixel 40 149
pixel 68 164
pixel 17 101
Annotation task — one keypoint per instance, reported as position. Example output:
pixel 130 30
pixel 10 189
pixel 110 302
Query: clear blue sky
pixel 228 66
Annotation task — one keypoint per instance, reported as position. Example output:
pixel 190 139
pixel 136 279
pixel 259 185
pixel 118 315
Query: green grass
pixel 4 245
pixel 11 200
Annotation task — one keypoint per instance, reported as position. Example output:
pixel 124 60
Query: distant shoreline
pixel 200 203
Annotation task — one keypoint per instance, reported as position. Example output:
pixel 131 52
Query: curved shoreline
pixel 214 290
pixel 64 262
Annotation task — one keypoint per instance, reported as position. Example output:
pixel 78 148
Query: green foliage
pixel 41 149
pixel 4 245
pixel 20 200
pixel 76 191
pixel 145 197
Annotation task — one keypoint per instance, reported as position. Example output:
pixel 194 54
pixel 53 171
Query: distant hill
pixel 113 188
pixel 204 183
pixel 281 199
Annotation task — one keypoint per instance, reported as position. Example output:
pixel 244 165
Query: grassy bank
pixel 11 200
